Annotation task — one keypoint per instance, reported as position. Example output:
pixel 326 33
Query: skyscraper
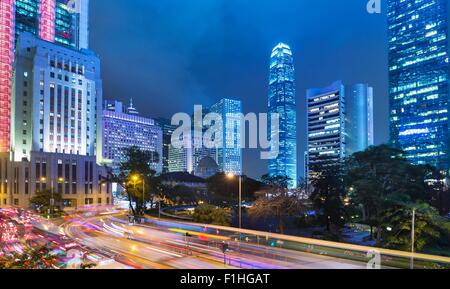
pixel 229 156
pixel 57 99
pixel 325 126
pixel 359 118
pixel 55 126
pixel 282 100
pixel 167 130
pixel 419 80
pixel 6 62
pixel 339 123
pixel 51 20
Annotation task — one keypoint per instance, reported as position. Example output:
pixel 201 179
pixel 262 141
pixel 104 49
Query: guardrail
pixel 372 256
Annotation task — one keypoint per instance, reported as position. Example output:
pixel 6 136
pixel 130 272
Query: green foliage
pixel 386 187
pixel 41 200
pixel 224 190
pixel 208 214
pixel 428 226
pixel 328 197
pixel 147 185
pixel 182 195
pixel 39 258
pixel 277 201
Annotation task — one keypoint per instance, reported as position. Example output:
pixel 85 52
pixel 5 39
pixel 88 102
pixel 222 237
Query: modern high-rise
pixel 180 159
pixel 57 100
pixel 359 117
pixel 419 80
pixel 229 155
pixel 122 130
pixel 325 127
pixel 51 20
pixel 339 123
pixel 167 131
pixel 282 101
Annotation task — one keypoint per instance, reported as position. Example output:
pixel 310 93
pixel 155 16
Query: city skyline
pixel 105 165
pixel 161 52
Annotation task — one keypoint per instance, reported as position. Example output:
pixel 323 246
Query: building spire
pixel 131 109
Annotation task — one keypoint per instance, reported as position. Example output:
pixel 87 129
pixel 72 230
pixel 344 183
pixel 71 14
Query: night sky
pixel 171 54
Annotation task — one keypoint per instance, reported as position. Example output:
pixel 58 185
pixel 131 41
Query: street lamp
pixel 52 199
pixel 232 176
pixel 413 229
pixel 135 178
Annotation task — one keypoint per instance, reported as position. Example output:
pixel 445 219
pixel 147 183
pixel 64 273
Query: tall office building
pixel 167 131
pixel 339 123
pixel 359 118
pixel 6 62
pixel 180 159
pixel 123 130
pixel 229 156
pixel 55 126
pixel 282 100
pixel 419 80
pixel 325 127
pixel 57 99
pixel 51 20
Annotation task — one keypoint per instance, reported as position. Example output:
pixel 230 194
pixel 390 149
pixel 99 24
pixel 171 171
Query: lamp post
pixel 413 236
pixel 135 178
pixel 231 176
pixel 52 199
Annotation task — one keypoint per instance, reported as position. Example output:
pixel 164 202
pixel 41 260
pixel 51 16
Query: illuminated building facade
pixel 123 130
pixel 167 130
pixel 282 100
pixel 326 127
pixel 359 118
pixel 57 99
pixel 229 156
pixel 7 17
pixel 52 20
pixel 419 80
pixel 79 179
pixel 339 122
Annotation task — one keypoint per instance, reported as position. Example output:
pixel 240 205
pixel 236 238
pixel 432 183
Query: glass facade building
pixel 282 100
pixel 359 118
pixel 229 156
pixel 419 80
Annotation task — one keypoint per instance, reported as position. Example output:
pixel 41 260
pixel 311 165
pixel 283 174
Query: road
pixel 152 247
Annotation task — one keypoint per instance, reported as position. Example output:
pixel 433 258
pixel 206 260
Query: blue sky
pixel 169 55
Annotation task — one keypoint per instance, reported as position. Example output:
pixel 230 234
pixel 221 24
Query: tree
pixel 429 226
pixel 41 200
pixel 277 201
pixel 182 195
pixel 328 196
pixel 134 173
pixel 224 190
pixel 439 194
pixel 379 179
pixel 208 214
pixel 39 258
